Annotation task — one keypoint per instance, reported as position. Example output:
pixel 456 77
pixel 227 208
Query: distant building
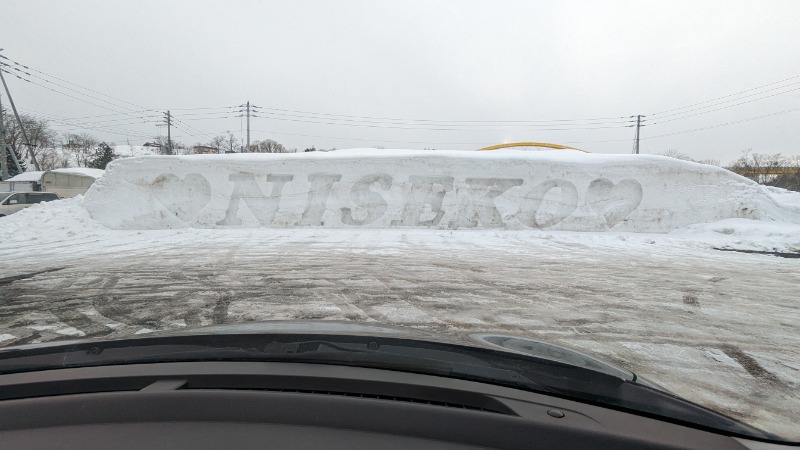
pixel 64 182
pixel 204 150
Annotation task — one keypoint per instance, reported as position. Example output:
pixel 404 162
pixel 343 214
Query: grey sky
pixel 442 61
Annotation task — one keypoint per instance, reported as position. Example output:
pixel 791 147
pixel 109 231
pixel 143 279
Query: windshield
pixel 613 185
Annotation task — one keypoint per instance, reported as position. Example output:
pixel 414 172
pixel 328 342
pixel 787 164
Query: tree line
pixel 775 169
pixel 54 150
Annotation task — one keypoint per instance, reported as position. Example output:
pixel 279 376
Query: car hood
pixel 498 342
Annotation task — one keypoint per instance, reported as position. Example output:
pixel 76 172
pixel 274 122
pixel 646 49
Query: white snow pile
pixel 371 188
pixel 783 196
pixel 50 221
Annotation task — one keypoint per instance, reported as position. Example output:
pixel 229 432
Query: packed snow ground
pixel 719 328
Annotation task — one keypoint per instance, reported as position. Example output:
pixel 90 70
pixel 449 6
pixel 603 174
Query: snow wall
pixel 372 188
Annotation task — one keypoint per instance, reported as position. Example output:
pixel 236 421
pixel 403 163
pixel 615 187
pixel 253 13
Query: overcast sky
pixel 452 74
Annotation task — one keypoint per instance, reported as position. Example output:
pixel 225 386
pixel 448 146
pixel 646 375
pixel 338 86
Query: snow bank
pixel 742 234
pixel 784 196
pixel 49 221
pixel 373 188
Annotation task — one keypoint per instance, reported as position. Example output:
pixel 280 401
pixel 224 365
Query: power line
pixel 69 82
pixel 210 113
pixel 183 127
pixel 186 125
pixel 196 109
pixel 289 115
pixel 89 117
pixel 112 122
pixel 725 107
pixel 460 124
pixel 81 126
pixel 211 118
pixel 105 123
pixel 730 95
pixel 727 123
pixel 445 121
pixel 440 128
pixel 373 140
pixel 67 95
pixel 63 87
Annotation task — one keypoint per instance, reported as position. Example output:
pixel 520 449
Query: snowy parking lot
pixel 716 327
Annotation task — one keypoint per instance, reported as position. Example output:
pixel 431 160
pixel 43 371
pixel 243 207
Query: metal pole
pixel 13 155
pixel 19 122
pixel 636 144
pixel 248 126
pixel 3 150
pixel 169 135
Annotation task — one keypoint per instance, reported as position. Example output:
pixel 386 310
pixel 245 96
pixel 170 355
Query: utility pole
pixel 636 141
pixel 249 111
pixel 3 149
pixel 169 133
pixel 19 122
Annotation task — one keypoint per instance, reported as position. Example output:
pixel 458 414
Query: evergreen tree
pixel 12 168
pixel 103 155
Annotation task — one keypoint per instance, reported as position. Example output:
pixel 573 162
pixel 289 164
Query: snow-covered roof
pixel 37 175
pixel 94 173
pixel 27 176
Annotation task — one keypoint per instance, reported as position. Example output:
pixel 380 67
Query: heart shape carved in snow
pixel 614 202
pixel 183 198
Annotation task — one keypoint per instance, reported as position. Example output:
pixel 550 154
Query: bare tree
pixel 81 147
pixel 179 148
pixel 231 142
pixel 53 158
pixel 218 142
pixel 672 153
pixel 162 144
pixel 267 146
pixel 772 170
pixel 41 136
